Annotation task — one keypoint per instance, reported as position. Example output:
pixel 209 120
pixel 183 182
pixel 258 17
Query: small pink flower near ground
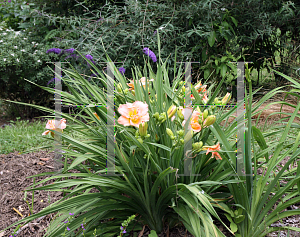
pixel 132 114
pixel 51 125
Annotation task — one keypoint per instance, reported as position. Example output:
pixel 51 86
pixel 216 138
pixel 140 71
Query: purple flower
pixel 68 228
pixel 71 214
pixel 122 227
pixel 90 57
pixel 124 231
pixel 9 1
pixel 149 53
pixel 71 50
pixel 54 50
pixel 122 70
pixel 66 222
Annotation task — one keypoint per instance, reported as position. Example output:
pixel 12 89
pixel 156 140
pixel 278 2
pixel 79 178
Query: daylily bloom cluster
pixel 201 89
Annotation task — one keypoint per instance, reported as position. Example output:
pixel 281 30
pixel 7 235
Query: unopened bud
pixel 209 120
pixel 169 132
pixel 197 146
pixel 126 91
pixel 226 99
pixel 198 109
pixel 171 111
pixel 180 133
pixel 119 88
pixel 133 92
pixel 137 133
pixel 205 114
pixel 180 114
pixel 143 128
pixel 156 115
pixel 181 141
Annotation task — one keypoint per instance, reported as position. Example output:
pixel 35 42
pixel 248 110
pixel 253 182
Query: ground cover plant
pixel 152 127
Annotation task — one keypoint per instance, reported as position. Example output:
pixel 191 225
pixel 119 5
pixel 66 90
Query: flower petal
pixel 124 121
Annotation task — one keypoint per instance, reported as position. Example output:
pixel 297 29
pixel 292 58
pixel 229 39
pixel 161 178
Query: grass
pixel 22 136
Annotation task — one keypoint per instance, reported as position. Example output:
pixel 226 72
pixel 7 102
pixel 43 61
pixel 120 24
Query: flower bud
pixel 126 91
pixel 197 146
pixel 181 141
pixel 119 88
pixel 171 111
pixel 169 132
pixel 181 82
pixel 209 120
pixel 198 109
pixel 226 99
pixel 180 133
pixel 156 115
pixel 216 101
pixel 183 89
pixel 133 92
pixel 205 114
pixel 180 114
pixel 143 128
pixel 140 140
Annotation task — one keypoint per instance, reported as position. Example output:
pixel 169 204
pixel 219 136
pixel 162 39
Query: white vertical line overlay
pixel 110 120
pixel 57 135
pixel 240 168
pixel 187 117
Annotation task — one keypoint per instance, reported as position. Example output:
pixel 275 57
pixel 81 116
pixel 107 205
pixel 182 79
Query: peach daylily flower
pixel 132 114
pixel 205 99
pixel 196 127
pixel 51 125
pixel 142 83
pixel 213 150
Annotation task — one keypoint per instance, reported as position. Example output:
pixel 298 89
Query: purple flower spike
pixel 54 50
pixel 68 228
pixel 71 214
pixel 71 50
pixel 122 70
pixel 149 53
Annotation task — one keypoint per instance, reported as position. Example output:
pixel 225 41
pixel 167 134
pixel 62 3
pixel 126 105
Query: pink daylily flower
pixel 132 114
pixel 51 125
